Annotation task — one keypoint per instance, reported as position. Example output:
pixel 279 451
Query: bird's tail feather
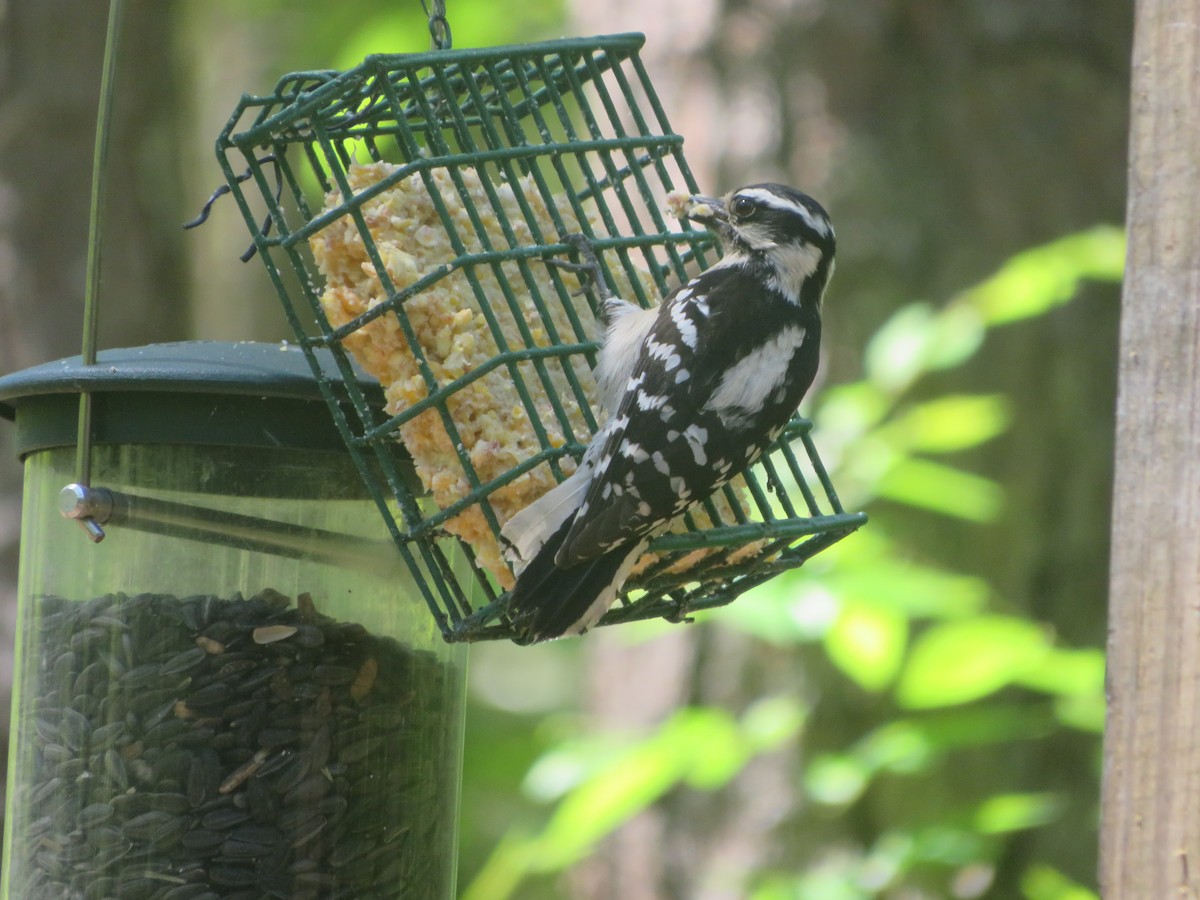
pixel 548 602
pixel 528 531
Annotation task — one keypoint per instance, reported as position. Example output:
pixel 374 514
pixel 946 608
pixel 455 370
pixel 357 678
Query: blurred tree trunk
pixel 51 55
pixel 1151 822
pixel 944 138
pixel 49 85
pixel 225 50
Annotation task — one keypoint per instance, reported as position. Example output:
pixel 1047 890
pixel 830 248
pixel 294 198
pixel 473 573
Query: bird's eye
pixel 743 207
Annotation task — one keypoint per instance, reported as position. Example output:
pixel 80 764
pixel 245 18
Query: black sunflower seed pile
pixel 201 747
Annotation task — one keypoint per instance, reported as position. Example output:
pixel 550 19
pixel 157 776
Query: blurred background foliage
pixel 916 713
pixel 945 676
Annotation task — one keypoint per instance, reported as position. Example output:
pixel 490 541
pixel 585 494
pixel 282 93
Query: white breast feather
pixel 744 389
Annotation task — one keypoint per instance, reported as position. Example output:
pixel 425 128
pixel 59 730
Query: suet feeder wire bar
pixel 558 126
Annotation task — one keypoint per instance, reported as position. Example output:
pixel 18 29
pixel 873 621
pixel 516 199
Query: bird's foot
pixel 588 268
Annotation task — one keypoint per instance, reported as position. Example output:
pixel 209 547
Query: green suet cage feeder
pixel 410 213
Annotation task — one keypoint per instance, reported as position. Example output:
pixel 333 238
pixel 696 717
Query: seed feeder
pixel 411 214
pixel 221 693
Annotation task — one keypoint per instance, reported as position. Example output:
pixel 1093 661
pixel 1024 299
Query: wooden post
pixel 1150 840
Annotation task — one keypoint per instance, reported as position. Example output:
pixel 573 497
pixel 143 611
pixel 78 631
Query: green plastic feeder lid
pixel 202 392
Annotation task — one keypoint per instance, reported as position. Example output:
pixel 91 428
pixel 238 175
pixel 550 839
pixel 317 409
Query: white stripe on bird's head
pixel 773 200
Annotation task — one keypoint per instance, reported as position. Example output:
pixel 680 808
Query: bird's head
pixel 776 227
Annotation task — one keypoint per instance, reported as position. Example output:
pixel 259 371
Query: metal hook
pixel 439 25
pixel 265 228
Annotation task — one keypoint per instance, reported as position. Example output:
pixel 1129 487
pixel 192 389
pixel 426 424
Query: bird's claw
pixel 590 270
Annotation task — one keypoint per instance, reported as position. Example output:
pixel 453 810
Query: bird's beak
pixel 706 210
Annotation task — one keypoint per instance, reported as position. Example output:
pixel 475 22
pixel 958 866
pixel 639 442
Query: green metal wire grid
pixel 573 121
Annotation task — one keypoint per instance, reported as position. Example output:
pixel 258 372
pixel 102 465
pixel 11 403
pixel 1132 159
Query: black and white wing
pixel 719 374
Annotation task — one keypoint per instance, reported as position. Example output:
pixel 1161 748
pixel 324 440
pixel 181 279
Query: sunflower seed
pixel 269 634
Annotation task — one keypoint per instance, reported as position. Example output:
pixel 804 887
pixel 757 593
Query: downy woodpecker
pixel 696 390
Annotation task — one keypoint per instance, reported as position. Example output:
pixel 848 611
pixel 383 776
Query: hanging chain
pixel 439 25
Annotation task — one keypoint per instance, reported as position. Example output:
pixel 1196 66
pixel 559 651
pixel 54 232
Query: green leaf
pixel 867 642
pixel 850 409
pixel 786 610
pixel 700 742
pixel 869 569
pixel 503 871
pixel 1041 882
pixel 568 764
pixel 899 746
pixel 907 587
pixel 889 857
pixel 702 746
pixel 772 721
pixel 911 746
pixel 958 333
pixel 1005 813
pixel 1067 672
pixel 951 423
pixel 833 880
pixel 395 30
pixel 481 23
pixel 1084 712
pixel 918 339
pixel 1037 280
pixel 897 352
pixel 986 723
pixel 836 780
pixel 942 489
pixel 947 845
pixel 711 743
pixel 960 661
